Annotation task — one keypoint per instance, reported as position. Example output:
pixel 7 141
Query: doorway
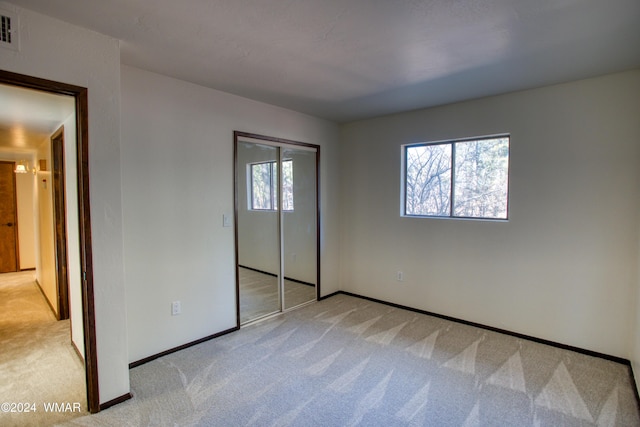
pixel 8 219
pixel 85 266
pixel 277 225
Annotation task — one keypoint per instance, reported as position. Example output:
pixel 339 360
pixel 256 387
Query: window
pixel 459 179
pixel 264 183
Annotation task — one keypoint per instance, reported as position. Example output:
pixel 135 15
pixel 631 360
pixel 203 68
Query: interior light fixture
pixel 22 167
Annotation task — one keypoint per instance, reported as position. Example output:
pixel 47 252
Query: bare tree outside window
pixel 429 180
pixel 478 169
pixel 481 178
pixel 264 185
pixel 262 194
pixel 287 185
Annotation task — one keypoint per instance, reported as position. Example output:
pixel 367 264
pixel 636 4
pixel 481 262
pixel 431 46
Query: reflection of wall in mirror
pixel 300 225
pixel 258 230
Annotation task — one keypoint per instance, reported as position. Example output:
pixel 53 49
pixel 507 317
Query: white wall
pixel 177 180
pixel 26 221
pixel 299 231
pixel 74 276
pixel 565 264
pixel 258 231
pixel 45 237
pixel 62 52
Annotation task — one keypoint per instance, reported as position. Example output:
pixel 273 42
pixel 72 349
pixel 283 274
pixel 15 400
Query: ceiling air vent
pixel 8 30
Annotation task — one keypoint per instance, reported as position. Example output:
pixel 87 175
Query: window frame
pixel 452 143
pixel 273 184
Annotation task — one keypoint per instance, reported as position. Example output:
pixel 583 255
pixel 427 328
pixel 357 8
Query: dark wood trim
pixel 498 330
pixel 275 275
pixel 53 310
pixel 318 229
pixel 86 250
pixel 16 223
pixel 60 221
pixel 28 269
pixel 239 134
pixel 29 82
pixel 82 123
pixel 181 347
pixel 235 225
pixel 333 294
pixel 635 386
pixel 117 400
pixel 298 281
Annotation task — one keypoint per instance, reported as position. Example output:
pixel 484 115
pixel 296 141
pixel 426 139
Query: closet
pixel 277 225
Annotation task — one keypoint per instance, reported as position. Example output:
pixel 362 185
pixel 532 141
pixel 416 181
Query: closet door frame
pixel 238 137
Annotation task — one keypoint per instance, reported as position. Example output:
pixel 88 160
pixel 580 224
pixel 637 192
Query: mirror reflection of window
pixel 264 182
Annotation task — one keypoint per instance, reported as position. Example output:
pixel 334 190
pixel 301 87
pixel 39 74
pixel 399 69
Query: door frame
pixel 16 246
pixel 84 218
pixel 236 136
pixel 60 221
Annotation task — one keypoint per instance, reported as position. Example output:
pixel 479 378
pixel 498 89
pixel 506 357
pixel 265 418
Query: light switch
pixel 226 220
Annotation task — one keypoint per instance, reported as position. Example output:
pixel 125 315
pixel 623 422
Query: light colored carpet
pixel 259 294
pixel 38 365
pixel 346 361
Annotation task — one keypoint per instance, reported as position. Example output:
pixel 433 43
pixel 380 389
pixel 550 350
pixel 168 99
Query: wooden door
pixel 8 219
pixel 60 221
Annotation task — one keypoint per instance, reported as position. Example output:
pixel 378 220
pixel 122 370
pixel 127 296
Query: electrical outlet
pixel 399 276
pixel 175 308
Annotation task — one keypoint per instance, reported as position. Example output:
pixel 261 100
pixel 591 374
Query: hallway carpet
pixel 38 364
pixel 346 361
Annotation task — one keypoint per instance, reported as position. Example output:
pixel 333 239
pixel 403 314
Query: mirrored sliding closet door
pixel 276 191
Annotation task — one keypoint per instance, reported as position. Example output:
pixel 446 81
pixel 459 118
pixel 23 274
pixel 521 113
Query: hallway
pixel 38 364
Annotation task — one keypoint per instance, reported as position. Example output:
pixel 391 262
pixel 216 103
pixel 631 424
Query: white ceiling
pixel 29 117
pixel 349 59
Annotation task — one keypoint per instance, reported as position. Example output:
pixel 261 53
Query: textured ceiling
pixel 346 60
pixel 29 117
